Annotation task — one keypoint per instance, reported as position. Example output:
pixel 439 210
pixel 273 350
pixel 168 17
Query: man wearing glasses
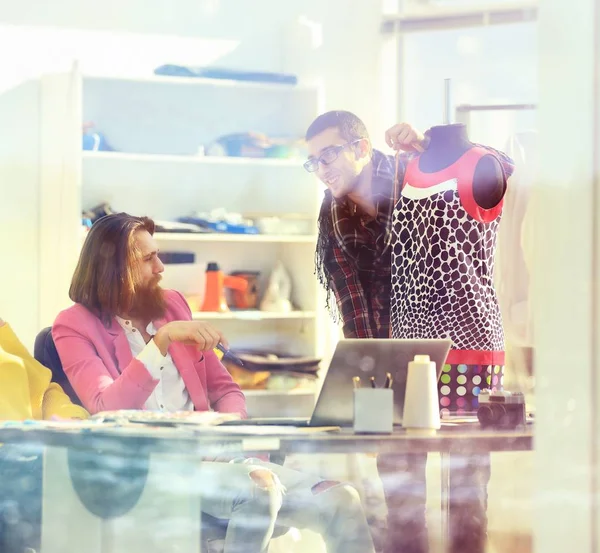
pixel 353 254
pixel 353 263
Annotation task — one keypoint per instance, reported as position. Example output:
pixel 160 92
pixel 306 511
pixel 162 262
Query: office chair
pixel 45 352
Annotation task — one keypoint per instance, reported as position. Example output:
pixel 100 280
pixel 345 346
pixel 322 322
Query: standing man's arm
pixel 350 297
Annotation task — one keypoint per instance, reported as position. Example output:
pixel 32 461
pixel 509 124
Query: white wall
pixel 19 208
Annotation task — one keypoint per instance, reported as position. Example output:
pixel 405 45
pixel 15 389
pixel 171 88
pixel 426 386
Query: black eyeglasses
pixel 327 157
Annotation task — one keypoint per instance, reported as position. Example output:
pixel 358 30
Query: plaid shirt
pixel 363 297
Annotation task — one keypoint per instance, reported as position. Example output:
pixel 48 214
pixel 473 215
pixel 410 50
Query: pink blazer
pixel 100 367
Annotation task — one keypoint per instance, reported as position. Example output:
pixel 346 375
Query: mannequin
pixel 445 224
pixel 446 144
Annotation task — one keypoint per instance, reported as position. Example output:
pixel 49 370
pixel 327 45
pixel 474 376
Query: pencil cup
pixel 374 410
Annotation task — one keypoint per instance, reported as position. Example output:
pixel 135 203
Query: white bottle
pixel 421 401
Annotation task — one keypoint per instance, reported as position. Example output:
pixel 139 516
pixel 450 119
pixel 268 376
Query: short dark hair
pixel 105 278
pixel 348 124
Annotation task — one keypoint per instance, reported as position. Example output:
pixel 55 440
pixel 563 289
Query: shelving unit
pixel 156 127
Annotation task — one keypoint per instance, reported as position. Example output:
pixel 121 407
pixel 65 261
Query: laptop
pixel 363 358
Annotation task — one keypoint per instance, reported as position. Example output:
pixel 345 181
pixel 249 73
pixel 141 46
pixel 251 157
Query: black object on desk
pixel 501 409
pixel 172 258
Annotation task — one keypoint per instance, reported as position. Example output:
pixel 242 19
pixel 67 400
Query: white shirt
pixel 170 393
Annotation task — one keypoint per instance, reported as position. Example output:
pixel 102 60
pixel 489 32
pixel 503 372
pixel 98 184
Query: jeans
pixel 404 484
pixel 251 494
pixel 254 495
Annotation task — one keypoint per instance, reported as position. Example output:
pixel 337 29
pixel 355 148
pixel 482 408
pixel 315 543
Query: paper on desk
pixel 159 418
pixel 202 422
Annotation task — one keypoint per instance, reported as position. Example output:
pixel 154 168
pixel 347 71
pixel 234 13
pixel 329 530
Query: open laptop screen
pixel 365 358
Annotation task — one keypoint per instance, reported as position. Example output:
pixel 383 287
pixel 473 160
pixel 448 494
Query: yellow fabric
pixel 25 388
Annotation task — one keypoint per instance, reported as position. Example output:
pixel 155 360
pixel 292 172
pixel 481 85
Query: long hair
pixel 106 276
pixel 324 255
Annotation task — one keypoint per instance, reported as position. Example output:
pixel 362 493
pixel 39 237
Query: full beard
pixel 149 302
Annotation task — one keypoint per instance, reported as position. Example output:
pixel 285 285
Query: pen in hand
pixel 227 353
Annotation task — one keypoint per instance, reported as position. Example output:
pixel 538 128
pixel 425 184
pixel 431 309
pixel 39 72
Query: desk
pixel 145 441
pixel 177 451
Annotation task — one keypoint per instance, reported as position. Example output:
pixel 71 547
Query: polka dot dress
pixel 460 385
pixel 442 277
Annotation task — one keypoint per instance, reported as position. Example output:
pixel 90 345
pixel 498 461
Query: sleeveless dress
pixel 443 274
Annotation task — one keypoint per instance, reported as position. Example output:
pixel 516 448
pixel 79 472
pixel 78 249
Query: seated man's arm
pixel 224 395
pixel 88 374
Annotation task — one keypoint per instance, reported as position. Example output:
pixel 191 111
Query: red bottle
pixel 214 293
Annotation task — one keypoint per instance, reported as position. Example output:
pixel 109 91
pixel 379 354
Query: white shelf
pixel 201 81
pixel 294 392
pixel 157 124
pixel 200 160
pixel 240 238
pixel 252 315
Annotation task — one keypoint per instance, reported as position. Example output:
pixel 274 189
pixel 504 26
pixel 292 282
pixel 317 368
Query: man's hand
pixel 196 333
pixel 2 323
pixel 403 136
